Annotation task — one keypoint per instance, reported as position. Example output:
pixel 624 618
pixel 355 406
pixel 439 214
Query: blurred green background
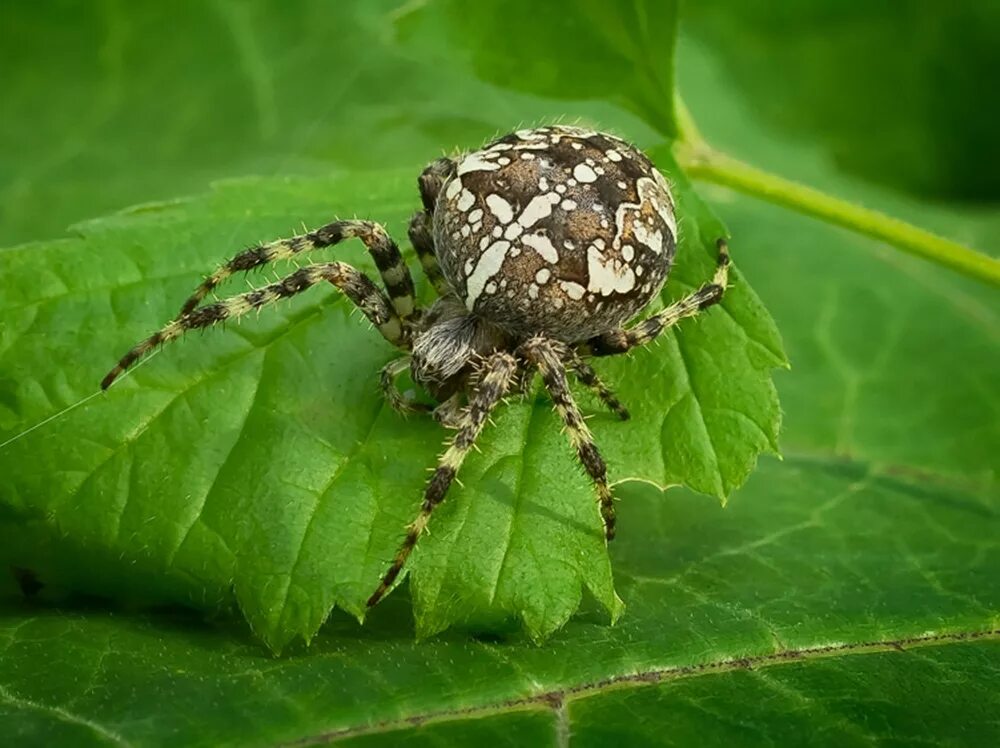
pixel 902 94
pixel 112 103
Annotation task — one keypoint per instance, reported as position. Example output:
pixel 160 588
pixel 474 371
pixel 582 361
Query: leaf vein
pixel 658 675
pixel 64 716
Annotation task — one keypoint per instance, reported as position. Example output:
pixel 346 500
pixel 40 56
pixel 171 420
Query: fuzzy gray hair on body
pixel 453 338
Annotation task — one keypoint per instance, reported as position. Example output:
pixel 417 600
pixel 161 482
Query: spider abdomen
pixel 555 230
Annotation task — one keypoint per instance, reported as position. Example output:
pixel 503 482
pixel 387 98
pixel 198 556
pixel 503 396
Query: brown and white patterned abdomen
pixel 556 230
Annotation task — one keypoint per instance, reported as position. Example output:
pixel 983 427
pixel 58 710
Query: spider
pixel 541 246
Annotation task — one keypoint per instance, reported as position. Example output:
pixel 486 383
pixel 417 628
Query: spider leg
pixel 432 179
pixel 395 274
pixel 391 393
pixel 422 238
pixel 449 413
pixel 549 357
pixel 355 284
pixel 586 374
pixel 495 377
pixel 620 341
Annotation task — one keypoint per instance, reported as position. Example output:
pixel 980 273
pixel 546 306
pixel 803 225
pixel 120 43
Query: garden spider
pixel 541 245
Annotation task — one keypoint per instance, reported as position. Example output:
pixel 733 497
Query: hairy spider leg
pixel 550 358
pixel 620 341
pixel 391 393
pixel 588 377
pixel 388 260
pixel 421 229
pixel 432 179
pixel 494 380
pixel 449 413
pixel 422 238
pixel 355 285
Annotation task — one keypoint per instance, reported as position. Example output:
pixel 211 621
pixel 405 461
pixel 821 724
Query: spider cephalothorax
pixel 541 246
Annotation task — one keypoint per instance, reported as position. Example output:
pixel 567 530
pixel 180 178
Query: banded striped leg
pixel 450 413
pixel 586 374
pixel 395 274
pixel 391 393
pixel 422 238
pixel 548 356
pixel 620 341
pixel 355 285
pixel 496 375
pixel 432 179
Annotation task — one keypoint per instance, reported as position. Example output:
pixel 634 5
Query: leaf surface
pixel 846 595
pixel 264 458
pixel 263 463
pixel 785 614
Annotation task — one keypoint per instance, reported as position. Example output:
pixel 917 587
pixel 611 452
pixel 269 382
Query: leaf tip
pixel 616 609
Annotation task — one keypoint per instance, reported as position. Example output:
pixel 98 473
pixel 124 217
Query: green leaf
pixel 185 468
pixel 262 466
pixel 833 604
pixel 846 595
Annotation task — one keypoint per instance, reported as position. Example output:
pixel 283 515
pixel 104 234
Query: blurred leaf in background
pixel 791 616
pixel 902 94
pixel 229 89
